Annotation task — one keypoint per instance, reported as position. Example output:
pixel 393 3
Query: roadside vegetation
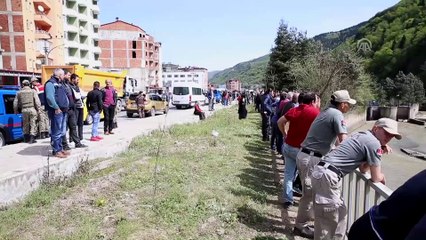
pixel 182 183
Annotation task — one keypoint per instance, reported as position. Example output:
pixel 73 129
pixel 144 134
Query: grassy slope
pixel 197 188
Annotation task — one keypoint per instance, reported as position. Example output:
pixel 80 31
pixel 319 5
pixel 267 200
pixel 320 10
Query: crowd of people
pixel 315 145
pixel 58 106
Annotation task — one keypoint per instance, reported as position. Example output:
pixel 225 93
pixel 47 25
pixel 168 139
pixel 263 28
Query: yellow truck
pixel 88 77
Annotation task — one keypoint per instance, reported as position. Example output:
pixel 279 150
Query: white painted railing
pixel 360 194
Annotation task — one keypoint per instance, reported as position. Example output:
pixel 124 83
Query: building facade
pixel 30 35
pixel 81 32
pixel 128 47
pixel 173 74
pixel 233 85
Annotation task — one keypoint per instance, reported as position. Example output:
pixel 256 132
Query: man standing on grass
pixel 327 126
pixel 300 119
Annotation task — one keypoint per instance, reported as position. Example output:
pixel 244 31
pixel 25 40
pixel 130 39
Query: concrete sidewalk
pixel 23 165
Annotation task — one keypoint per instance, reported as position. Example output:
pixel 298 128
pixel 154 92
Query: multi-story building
pixel 173 74
pixel 30 35
pixel 81 38
pixel 233 85
pixel 128 47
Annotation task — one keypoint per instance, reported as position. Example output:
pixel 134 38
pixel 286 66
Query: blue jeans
pixel 96 116
pixel 57 127
pixel 290 154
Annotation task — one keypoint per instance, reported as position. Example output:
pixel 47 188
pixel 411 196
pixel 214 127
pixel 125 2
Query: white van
pixel 186 94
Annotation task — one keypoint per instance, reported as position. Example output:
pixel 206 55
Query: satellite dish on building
pixel 40 8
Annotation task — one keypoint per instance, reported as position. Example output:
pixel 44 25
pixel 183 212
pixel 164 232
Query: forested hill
pixel 250 72
pixel 332 40
pixel 397 36
pixel 398 40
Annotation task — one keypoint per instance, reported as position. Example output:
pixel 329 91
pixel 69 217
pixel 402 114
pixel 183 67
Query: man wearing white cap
pixel 326 128
pixel 362 150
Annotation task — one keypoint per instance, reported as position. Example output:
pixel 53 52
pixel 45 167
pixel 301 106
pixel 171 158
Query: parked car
pixel 155 103
pixel 10 123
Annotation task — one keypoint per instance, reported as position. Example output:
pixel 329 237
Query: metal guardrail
pixel 360 194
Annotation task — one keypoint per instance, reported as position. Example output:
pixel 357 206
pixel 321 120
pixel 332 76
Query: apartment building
pixel 173 74
pixel 30 35
pixel 81 32
pixel 128 47
pixel 233 85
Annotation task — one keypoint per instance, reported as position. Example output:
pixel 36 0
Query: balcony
pixel 71 28
pixel 72 44
pixel 41 34
pixel 96 50
pixel 70 12
pixel 95 36
pixel 72 60
pixel 96 22
pixel 42 20
pixel 95 9
pixel 44 3
pixel 83 31
pixel 97 63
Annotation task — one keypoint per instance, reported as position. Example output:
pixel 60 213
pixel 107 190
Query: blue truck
pixel 10 123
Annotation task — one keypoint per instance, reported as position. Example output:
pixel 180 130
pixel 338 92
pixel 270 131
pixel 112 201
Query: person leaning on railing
pixel 401 216
pixel 362 150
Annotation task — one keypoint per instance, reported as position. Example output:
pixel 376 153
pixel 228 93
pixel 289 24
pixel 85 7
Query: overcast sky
pixel 217 34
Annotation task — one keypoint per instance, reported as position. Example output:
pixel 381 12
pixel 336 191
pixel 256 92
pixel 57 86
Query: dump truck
pixel 87 78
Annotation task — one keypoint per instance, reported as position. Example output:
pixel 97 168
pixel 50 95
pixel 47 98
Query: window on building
pixel 182 76
pixel 163 76
pixel 196 75
pixel 176 76
pixel 189 75
pixel 140 35
pixel 169 76
pixel 133 54
pixel 134 44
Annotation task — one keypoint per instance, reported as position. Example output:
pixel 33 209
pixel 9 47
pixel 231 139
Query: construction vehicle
pixel 87 78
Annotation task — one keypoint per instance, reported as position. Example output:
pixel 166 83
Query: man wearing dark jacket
pixel 57 109
pixel 72 119
pixel 78 104
pixel 94 105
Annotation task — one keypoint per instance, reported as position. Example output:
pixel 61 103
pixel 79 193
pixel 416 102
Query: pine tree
pixel 289 44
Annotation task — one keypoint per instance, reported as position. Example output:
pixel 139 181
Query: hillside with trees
pixel 398 44
pixel 250 73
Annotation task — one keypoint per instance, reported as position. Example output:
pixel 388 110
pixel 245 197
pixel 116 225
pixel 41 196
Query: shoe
pixel 99 137
pixel 106 133
pixel 111 133
pixel 297 192
pixel 94 139
pixel 67 153
pixel 60 155
pixel 287 205
pixel 26 138
pixel 81 145
pixel 32 139
pixel 66 148
pixel 305 232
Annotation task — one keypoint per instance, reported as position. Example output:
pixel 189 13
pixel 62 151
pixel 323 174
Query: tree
pixel 327 71
pixel 405 89
pixel 289 43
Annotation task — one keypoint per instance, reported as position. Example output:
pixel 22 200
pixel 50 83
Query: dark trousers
pixel 274 132
pixel 361 229
pixel 280 141
pixel 79 117
pixel 265 126
pixel 109 118
pixel 72 126
pixel 202 115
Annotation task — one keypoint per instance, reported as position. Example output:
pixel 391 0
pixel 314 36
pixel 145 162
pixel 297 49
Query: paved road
pixel 398 166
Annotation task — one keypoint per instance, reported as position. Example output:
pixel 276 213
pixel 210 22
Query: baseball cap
pixel 390 126
pixel 343 96
pixel 25 82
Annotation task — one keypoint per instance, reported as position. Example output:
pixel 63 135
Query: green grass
pixel 197 187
